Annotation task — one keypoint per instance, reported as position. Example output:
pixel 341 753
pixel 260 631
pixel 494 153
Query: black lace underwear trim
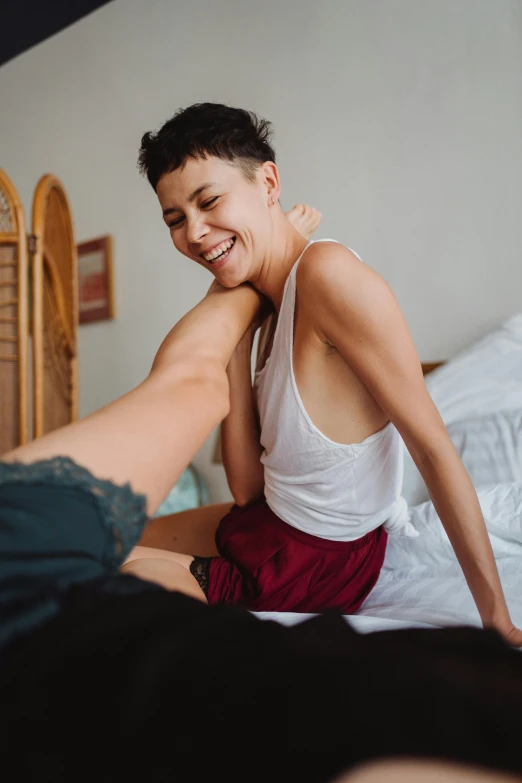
pixel 200 569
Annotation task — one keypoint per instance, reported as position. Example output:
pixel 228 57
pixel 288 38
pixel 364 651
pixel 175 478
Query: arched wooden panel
pixel 55 309
pixel 14 338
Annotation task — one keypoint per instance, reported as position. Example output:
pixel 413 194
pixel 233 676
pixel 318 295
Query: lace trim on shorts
pixel 200 569
pixel 121 510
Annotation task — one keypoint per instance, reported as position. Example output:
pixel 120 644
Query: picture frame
pixel 95 280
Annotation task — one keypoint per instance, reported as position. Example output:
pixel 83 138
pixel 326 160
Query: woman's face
pixel 217 218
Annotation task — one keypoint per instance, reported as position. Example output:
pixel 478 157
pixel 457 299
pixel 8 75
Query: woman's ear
pixel 271 181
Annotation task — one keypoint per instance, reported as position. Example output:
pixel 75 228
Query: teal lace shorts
pixel 60 527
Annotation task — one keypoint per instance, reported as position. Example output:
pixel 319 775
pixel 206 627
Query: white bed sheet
pixel 421 583
pixel 361 623
pixel 423 599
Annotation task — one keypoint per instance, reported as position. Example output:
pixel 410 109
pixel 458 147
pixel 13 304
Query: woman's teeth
pixel 219 251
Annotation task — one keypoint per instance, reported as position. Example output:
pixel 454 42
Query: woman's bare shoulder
pixel 327 264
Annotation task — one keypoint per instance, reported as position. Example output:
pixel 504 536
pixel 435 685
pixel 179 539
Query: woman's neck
pixel 287 246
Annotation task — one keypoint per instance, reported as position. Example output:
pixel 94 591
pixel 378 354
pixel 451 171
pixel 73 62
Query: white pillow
pixel 490 447
pixel 484 379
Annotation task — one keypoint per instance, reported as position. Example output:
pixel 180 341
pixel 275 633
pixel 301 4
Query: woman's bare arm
pixel 240 432
pixel 355 310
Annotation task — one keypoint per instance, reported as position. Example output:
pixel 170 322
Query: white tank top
pixel 328 489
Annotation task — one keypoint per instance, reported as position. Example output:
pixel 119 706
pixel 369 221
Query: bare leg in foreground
pixel 148 437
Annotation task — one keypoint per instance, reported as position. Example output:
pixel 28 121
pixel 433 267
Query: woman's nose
pixel 197 229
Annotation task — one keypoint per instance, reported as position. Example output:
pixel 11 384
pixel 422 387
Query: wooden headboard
pixel 430 366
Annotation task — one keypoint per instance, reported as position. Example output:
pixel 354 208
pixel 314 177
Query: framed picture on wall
pixel 95 280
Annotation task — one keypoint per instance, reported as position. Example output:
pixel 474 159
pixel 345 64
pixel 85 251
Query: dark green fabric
pixel 59 526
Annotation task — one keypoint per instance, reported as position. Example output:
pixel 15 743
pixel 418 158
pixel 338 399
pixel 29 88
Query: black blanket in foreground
pixel 127 686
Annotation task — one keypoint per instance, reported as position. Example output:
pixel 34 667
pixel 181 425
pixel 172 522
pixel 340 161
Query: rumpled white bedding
pixel 421 583
pixel 483 381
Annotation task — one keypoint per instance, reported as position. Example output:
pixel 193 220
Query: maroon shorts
pixel 267 565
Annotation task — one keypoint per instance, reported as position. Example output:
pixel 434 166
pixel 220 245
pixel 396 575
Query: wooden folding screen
pixel 55 309
pixel 14 327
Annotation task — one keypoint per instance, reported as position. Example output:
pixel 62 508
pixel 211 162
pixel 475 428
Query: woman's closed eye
pixel 207 205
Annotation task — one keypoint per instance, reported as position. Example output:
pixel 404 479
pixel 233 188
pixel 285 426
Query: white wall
pixel 400 119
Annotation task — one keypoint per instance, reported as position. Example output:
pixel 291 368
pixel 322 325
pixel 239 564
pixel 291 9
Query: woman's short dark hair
pixel 202 130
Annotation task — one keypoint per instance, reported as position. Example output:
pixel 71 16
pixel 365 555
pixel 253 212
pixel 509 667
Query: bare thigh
pixel 187 532
pixel 166 569
pixel 167 547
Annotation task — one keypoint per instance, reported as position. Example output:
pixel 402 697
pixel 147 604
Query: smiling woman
pixel 312 451
pixel 227 210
